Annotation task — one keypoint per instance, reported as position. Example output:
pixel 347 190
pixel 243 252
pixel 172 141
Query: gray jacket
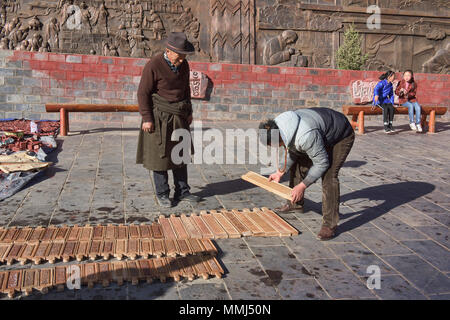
pixel 311 131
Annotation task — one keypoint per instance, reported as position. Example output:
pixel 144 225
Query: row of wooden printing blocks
pixel 132 248
pixel 43 279
pixel 213 225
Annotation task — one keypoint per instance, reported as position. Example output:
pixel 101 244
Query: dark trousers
pixel 330 180
pixel 388 113
pixel 180 178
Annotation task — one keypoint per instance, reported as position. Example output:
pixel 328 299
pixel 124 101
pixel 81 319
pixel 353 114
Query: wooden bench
pixel 359 111
pixel 65 108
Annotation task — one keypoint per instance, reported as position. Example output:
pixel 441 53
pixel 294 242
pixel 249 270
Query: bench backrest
pixel 362 90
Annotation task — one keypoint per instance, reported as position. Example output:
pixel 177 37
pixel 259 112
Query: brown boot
pixel 326 233
pixel 289 207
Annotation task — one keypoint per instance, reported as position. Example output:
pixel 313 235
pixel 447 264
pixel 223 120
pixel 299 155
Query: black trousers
pixel 388 113
pixel 180 180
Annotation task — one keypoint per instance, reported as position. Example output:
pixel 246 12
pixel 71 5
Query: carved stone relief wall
pixel 413 33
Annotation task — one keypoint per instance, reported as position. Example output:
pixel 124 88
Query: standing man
pixel 164 99
pixel 317 140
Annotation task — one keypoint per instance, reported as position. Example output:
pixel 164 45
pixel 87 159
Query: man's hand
pixel 276 176
pixel 189 119
pixel 148 127
pixel 298 192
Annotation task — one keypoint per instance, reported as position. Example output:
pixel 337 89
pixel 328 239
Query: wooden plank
pixel 146 248
pixel 258 219
pixel 214 226
pixel 146 269
pixel 132 249
pixel 196 246
pixel 14 253
pixel 122 232
pixel 60 279
pixel 177 225
pixel 36 234
pixel 49 234
pixel 120 273
pixel 191 227
pixel 30 280
pixel 133 272
pixel 197 263
pixel 23 234
pixel 187 270
pixel 111 232
pixel 209 246
pixel 171 247
pixel 229 228
pixel 159 248
pixel 27 253
pixel 107 249
pixel 62 233
pixel 166 226
pixel 157 231
pixel 86 233
pixel 174 269
pixel 280 220
pixel 45 280
pixel 121 248
pixel 145 231
pixel 104 273
pixel 240 227
pixel 89 274
pixel 4 249
pixel 256 230
pixel 69 251
pixel 74 233
pixel 202 226
pixel 98 232
pixel 12 283
pixel 55 251
pixel 134 231
pixel 183 246
pixel 82 250
pixel 272 186
pixel 94 249
pixel 161 269
pixel 283 232
pixel 41 252
pixel 214 266
pixel 10 235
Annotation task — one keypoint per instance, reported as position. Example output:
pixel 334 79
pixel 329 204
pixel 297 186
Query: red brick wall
pixel 29 80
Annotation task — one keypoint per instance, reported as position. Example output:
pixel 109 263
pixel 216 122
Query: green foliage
pixel 349 55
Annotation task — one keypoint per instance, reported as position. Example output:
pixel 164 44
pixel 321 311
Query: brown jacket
pixel 410 95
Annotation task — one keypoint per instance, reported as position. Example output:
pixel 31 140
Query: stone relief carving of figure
pixel 185 19
pixel 4 44
pixel 35 24
pixel 439 63
pixel 66 12
pixel 194 31
pixel 3 13
pixel 23 46
pixel 109 49
pixel 155 23
pixel 51 31
pixel 36 42
pixel 128 12
pixel 137 12
pixel 85 18
pixel 277 50
pixel 137 43
pixel 17 34
pixel 121 41
pixel 100 19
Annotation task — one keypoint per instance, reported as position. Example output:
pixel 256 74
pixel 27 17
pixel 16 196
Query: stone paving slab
pixel 395 203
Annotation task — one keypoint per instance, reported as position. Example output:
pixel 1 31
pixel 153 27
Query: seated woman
pixel 383 97
pixel 406 91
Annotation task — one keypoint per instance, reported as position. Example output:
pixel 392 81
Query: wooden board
pixel 202 226
pixel 263 182
pixel 214 226
pixel 249 224
pixel 166 226
pixel 191 227
pixel 226 224
pixel 258 219
pixel 240 227
pixel 177 225
pixel 276 219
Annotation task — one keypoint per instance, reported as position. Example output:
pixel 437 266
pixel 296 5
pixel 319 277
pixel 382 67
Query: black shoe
pixel 164 201
pixel 387 129
pixel 391 128
pixel 188 198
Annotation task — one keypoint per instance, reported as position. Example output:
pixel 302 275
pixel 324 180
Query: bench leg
pixel 361 122
pixel 432 122
pixel 64 121
pixel 354 121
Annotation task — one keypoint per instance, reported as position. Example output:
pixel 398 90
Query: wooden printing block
pixel 36 234
pixel 159 248
pixel 107 249
pixel 184 248
pixel 146 270
pixel 86 233
pixel 240 227
pixel 209 246
pixel 98 232
pixel 218 231
pixel 171 248
pixel 30 280
pixel 45 280
pixel 146 248
pixel 161 269
pixel 177 225
pixel 69 251
pixel 157 231
pixel 95 249
pixel 12 283
pixel 133 272
pixel 174 269
pixel 145 231
pixel 250 225
pixel 132 249
pixel 60 280
pixel 89 274
pixel 202 226
pixel 74 233
pixel 261 221
pixel 55 251
pixel 120 249
pixel 119 273
pixel 167 228
pixel 227 225
pixel 3 277
pixel 10 235
pixel 14 253
pixel 49 234
pixel 280 220
pixel 122 232
pixel 196 246
pixel 105 273
pixel 187 270
pixel 2 233
pixel 41 252
pixel 198 266
pixel 214 266
pixel 61 233
pixel 111 232
pixel 134 231
pixel 4 249
pixel 82 250
pixel 27 252
pixel 275 224
pixel 23 234
pixel 191 227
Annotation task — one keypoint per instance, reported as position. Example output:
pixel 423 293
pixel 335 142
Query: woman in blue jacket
pixel 383 97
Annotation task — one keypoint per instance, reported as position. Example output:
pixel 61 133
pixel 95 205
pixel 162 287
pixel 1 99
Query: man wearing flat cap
pixel 164 99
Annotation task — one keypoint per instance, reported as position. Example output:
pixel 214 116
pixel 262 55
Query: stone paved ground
pixel 394 214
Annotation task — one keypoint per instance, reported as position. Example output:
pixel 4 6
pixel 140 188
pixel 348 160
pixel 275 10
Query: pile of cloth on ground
pixel 24 146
